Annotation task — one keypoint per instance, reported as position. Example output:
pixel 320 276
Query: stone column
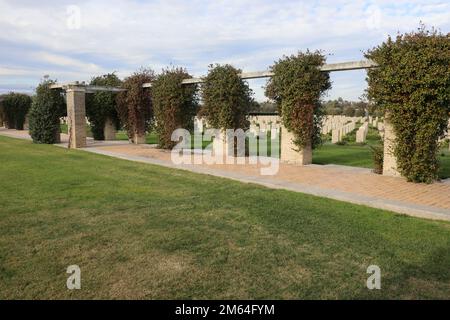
pixel 389 161
pixel 110 130
pixel 76 111
pixel 220 145
pixel 289 153
pixel 26 124
pixel 139 139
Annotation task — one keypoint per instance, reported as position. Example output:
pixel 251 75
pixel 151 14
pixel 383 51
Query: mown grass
pixel 360 155
pixel 349 154
pixel 147 232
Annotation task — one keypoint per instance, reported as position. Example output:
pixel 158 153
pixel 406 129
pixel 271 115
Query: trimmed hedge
pixel 296 87
pixel 227 99
pixel 175 105
pixel 412 85
pixel 102 105
pixel 134 106
pixel 46 110
pixel 15 109
pixel 2 115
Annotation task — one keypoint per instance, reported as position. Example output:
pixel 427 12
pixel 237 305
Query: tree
pixel 297 86
pixel 227 98
pixel 175 105
pixel 102 105
pixel 412 86
pixel 46 110
pixel 134 106
pixel 15 109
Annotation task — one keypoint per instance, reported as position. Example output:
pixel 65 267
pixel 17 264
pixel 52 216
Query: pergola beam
pixel 331 67
pixel 88 88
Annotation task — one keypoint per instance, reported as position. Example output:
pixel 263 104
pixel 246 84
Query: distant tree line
pixel 330 107
pixel 346 108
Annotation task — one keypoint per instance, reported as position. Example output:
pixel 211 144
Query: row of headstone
pixel 374 122
pixel 338 134
pixel 199 125
pixel 64 120
pixel 331 123
pixel 361 134
pixel 380 128
pixel 265 123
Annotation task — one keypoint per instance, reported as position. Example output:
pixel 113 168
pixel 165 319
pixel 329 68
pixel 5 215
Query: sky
pixel 76 40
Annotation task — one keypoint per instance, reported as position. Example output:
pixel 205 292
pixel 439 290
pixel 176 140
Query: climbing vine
pixel 227 98
pixel 15 108
pixel 102 105
pixel 134 106
pixel 297 86
pixel 412 86
pixel 46 110
pixel 175 105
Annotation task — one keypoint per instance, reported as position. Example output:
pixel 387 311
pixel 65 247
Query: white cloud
pixel 125 35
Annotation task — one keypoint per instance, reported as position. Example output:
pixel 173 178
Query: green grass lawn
pixel 356 155
pixel 351 154
pixel 150 138
pixel 143 231
pixel 65 128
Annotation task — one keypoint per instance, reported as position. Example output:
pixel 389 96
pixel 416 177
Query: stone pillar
pixel 76 111
pixel 26 124
pixel 57 136
pixel 220 144
pixel 139 139
pixel 110 130
pixel 289 153
pixel 389 161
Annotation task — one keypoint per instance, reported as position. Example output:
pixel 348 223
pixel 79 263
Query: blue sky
pixel 75 40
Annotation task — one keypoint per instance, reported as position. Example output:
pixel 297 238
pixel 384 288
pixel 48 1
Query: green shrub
pixel 102 105
pixel 46 110
pixel 297 86
pixel 412 86
pixel 2 115
pixel 15 109
pixel 134 106
pixel 227 98
pixel 174 104
pixel 378 158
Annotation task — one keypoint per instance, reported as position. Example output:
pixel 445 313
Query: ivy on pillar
pixel 296 86
pixel 76 112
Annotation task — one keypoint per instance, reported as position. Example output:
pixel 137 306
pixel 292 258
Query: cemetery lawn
pixel 360 155
pixel 148 232
pixel 350 154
